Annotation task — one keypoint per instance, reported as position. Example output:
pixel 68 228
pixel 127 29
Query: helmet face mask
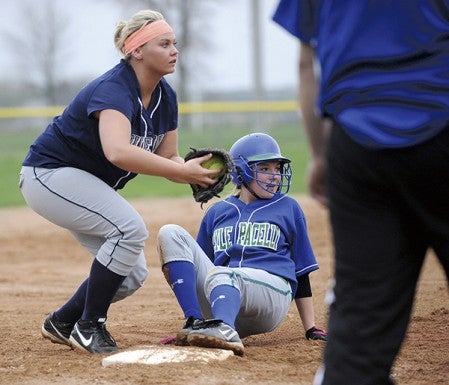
pixel 251 151
pixel 279 182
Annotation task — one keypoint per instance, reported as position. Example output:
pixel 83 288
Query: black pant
pixel 387 208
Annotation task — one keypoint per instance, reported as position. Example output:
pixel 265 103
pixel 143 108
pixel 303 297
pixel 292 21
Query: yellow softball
pixel 215 163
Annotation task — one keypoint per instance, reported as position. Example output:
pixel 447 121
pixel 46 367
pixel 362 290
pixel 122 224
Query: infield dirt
pixel 41 266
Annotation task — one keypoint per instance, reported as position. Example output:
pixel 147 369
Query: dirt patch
pixel 41 266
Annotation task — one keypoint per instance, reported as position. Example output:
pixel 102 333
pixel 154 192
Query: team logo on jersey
pixel 148 143
pixel 259 234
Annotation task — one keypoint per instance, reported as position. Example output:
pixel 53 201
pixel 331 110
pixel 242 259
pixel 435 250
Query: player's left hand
pixel 316 334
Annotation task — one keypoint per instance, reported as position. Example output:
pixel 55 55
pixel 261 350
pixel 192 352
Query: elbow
pixel 116 156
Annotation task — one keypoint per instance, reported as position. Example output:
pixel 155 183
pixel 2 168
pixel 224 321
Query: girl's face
pixel 160 54
pixel 267 177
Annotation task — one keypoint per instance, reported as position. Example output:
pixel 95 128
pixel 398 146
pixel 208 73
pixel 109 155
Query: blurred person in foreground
pixel 121 124
pixel 384 85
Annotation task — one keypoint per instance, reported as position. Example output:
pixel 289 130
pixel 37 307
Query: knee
pixel 168 231
pixel 168 241
pixel 135 234
pixel 138 230
pixel 219 276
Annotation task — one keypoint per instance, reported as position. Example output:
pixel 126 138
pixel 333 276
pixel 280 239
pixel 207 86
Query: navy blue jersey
pixel 265 234
pixel 72 139
pixel 394 91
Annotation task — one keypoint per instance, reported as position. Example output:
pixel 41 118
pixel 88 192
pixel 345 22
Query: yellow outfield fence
pixel 184 108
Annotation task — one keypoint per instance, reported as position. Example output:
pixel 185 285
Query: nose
pixel 273 176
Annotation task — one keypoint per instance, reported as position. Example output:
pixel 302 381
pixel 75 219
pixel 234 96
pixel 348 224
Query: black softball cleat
pixel 56 331
pixel 92 337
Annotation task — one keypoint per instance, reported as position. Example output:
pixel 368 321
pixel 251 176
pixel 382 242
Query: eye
pixel 167 43
pixel 256 166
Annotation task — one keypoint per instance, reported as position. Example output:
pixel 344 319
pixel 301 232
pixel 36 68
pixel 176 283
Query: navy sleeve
pixel 110 95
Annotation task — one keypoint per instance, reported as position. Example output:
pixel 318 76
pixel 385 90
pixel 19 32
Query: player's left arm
pixel 306 311
pixel 304 304
pixel 305 262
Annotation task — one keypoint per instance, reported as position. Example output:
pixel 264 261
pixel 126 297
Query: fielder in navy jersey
pixel 121 124
pixel 384 85
pixel 251 258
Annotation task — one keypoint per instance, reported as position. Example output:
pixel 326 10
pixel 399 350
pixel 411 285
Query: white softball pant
pixel 98 217
pixel 265 298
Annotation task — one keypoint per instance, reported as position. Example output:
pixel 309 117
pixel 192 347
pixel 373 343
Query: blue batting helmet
pixel 255 148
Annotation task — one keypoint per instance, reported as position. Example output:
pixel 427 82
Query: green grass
pixel 14 146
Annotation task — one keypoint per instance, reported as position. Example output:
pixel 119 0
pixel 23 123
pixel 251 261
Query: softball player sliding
pixel 252 256
pixel 121 124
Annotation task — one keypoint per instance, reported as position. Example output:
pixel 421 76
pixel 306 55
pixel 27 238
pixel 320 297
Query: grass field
pixel 14 146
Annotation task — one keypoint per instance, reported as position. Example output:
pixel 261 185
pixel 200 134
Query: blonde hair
pixel 136 22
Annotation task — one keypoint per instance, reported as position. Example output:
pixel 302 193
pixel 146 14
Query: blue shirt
pixel 72 139
pixel 384 67
pixel 269 234
pixel 298 18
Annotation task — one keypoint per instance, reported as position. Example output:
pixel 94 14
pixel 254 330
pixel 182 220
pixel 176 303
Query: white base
pixel 154 355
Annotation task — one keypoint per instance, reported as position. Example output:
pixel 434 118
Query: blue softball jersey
pixel 384 65
pixel 72 139
pixel 266 234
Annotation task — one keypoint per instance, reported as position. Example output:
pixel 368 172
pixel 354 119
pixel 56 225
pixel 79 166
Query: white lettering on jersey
pixel 148 143
pixel 248 234
pixel 222 238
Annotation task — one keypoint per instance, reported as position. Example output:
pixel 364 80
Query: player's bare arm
pixel 316 127
pixel 115 133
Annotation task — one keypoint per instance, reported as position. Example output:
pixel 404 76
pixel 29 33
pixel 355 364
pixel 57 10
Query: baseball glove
pixel 220 160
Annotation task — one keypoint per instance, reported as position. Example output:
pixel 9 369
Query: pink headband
pixel 145 34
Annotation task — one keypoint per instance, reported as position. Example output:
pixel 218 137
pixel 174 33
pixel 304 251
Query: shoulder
pixel 285 200
pixel 223 206
pixel 119 80
pixel 122 75
pixel 288 204
pixel 115 89
pixel 298 17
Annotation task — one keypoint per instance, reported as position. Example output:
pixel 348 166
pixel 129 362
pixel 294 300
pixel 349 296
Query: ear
pixel 239 173
pixel 137 53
